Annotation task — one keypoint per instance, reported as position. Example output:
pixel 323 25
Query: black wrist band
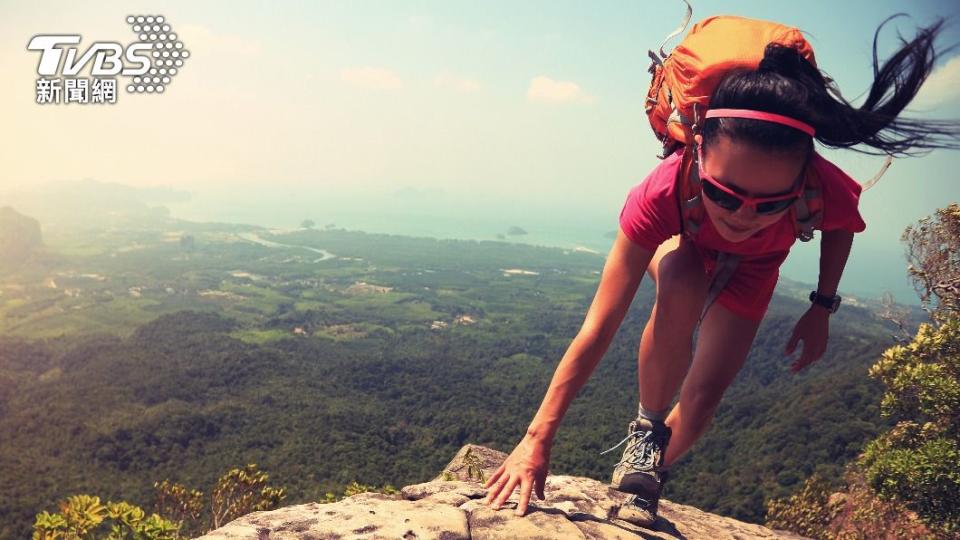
pixel 831 303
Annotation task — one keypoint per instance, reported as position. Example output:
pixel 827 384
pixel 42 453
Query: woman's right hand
pixel 527 466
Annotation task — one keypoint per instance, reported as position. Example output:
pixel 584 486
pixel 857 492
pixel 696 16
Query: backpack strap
pixel 679 30
pixel 691 211
pixel 883 168
pixel 726 265
pixel 689 194
pixel 807 212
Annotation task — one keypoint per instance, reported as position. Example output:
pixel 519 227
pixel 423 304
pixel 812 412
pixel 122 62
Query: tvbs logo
pixel 150 63
pixel 107 57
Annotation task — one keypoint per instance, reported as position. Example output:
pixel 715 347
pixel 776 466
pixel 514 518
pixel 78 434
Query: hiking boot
pixel 636 471
pixel 642 510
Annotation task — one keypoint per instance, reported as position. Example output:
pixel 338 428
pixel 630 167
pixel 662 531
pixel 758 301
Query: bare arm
pixel 813 329
pixel 527 465
pixel 834 250
pixel 625 266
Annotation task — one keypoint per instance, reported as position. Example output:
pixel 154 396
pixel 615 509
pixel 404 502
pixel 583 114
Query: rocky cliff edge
pixel 450 507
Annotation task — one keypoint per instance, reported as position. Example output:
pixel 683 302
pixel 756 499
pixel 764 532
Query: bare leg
pixel 667 343
pixel 723 343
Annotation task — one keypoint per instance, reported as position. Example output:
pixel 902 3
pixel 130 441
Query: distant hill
pixel 90 203
pixel 20 238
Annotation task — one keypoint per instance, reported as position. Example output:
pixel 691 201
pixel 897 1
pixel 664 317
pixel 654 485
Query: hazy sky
pixel 535 102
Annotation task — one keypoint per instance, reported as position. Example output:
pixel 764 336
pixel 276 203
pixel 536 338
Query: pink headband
pixel 760 115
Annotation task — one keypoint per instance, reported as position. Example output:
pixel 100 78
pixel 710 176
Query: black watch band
pixel 831 303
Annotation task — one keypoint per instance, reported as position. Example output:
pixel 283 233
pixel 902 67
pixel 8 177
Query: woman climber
pixel 746 146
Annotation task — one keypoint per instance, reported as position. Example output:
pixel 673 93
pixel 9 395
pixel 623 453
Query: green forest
pixel 151 349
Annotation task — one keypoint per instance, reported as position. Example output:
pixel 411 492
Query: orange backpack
pixel 680 91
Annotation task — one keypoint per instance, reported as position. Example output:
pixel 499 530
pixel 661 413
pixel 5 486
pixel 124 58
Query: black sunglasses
pixel 730 200
pixel 732 203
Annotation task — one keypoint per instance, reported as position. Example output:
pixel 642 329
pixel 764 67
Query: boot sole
pixel 643 518
pixel 636 484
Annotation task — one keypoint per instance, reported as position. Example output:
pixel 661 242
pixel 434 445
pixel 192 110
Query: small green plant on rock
pixel 242 491
pixel 85 517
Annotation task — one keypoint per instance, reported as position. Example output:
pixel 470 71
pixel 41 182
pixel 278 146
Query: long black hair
pixel 786 83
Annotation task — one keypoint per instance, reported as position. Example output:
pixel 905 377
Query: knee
pixel 681 285
pixel 701 402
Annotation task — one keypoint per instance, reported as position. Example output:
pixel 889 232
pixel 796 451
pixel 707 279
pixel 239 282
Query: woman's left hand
pixel 813 328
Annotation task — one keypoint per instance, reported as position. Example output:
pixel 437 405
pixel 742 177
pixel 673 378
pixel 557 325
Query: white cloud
pixel 452 82
pixel 547 90
pixel 372 77
pixel 941 87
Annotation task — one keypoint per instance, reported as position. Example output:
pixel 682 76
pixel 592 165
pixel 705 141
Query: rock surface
pixel 451 507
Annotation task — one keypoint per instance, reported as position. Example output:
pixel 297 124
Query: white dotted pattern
pixel 167 52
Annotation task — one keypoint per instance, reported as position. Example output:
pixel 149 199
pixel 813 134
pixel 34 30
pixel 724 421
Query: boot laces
pixel 642 459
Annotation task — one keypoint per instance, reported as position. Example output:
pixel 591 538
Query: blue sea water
pixel 870 272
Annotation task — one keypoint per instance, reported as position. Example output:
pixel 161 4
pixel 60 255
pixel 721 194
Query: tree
pixel 916 461
pixel 913 465
pixel 307 224
pixel 242 491
pixel 933 254
pixel 180 504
